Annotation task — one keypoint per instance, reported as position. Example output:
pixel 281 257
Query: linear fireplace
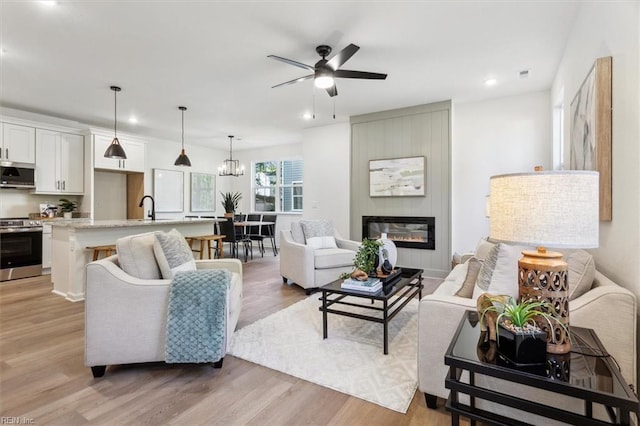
pixel 404 231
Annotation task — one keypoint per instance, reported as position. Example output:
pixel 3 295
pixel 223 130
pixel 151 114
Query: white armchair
pixel 311 267
pixel 126 316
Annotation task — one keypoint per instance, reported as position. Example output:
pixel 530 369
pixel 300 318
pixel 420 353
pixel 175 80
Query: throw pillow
pixel 483 248
pixel 318 233
pixel 486 270
pixel 296 232
pixel 582 271
pixel 136 256
pixel 473 268
pixel 173 253
pixel 504 279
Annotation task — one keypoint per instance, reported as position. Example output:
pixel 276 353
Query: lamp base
pixel 542 275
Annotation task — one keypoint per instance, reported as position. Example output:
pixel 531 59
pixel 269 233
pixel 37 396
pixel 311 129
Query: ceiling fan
pixel 326 70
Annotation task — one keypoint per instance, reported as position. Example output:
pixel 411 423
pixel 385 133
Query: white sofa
pixel 125 315
pixel 311 267
pixel 606 307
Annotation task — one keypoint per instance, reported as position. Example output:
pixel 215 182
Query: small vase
pixel 230 214
pixel 67 215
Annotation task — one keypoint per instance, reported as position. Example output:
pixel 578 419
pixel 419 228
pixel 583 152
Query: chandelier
pixel 231 167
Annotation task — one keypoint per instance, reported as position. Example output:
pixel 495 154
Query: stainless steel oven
pixel 20 248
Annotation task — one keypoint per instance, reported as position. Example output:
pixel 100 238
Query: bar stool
pixel 107 249
pixel 206 239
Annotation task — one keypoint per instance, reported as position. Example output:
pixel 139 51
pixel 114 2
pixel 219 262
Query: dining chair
pixel 269 231
pixel 254 231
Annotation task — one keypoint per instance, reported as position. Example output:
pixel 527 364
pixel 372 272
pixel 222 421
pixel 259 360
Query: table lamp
pixel 556 209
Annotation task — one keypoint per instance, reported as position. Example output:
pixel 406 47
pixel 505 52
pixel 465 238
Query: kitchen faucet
pixel 151 214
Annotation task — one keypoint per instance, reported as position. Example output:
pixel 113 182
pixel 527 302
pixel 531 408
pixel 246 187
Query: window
pixel 278 186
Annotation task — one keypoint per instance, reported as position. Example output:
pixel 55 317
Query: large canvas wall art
pixel 590 131
pixel 397 177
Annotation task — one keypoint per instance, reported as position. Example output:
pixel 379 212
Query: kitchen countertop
pixel 91 224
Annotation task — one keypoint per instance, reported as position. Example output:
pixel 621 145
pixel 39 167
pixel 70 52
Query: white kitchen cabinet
pixel 46 246
pixel 59 162
pixel 133 149
pixel 18 143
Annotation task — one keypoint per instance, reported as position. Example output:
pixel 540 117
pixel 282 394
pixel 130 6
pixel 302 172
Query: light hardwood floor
pixel 43 377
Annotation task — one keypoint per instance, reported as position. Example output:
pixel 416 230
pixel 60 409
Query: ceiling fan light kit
pixel 325 71
pixel 182 159
pixel 115 150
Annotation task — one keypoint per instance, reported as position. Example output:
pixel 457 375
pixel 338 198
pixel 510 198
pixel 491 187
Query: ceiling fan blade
pixel 332 91
pixel 359 74
pixel 306 77
pixel 342 56
pixel 292 62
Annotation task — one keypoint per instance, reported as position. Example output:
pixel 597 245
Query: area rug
pixel 350 360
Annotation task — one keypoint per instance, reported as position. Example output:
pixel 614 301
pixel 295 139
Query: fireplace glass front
pixel 404 231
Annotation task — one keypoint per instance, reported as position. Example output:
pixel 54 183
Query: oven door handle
pixel 16 230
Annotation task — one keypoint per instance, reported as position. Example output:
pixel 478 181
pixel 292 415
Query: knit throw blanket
pixel 196 320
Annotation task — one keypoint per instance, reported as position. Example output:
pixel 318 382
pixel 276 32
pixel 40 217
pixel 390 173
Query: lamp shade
pixel 551 209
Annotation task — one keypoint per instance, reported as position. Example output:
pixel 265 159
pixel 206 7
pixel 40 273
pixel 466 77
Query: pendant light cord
pixel 230 150
pixel 115 114
pixel 182 129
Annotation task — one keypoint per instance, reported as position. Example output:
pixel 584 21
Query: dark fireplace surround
pixel 405 231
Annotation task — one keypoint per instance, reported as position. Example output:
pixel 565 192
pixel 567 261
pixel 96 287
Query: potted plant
pixel 366 260
pixel 67 207
pixel 516 327
pixel 230 202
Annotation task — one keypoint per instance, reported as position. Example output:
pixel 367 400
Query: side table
pixel 562 375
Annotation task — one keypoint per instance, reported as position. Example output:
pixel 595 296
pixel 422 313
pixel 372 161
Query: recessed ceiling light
pixel 307 116
pixel 2 52
pixel 49 3
pixel 133 120
pixel 490 82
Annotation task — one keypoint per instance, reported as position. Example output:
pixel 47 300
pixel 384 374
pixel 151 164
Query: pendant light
pixel 230 167
pixel 182 159
pixel 115 150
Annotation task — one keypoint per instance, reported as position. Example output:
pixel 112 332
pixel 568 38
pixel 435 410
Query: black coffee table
pixel 394 297
pixel 563 374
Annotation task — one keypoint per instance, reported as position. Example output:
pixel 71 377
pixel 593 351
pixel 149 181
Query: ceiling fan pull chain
pixel 334 108
pixel 314 103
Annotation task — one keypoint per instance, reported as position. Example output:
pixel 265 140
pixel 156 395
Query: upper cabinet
pixel 18 143
pixel 59 162
pixel 135 151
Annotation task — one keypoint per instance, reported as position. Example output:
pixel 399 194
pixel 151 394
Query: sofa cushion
pixel 136 256
pixel 473 268
pixel 504 279
pixel 296 232
pixel 173 253
pixel 333 258
pixel 318 233
pixel 582 271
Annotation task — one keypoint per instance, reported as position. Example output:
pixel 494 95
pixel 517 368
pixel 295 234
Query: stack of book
pixel 371 285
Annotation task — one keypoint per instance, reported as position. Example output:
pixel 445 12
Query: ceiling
pixel 211 56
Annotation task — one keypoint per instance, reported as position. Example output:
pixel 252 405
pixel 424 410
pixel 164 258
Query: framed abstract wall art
pixel 203 192
pixel 590 129
pixel 397 177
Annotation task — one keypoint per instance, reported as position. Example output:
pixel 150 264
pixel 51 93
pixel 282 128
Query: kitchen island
pixel 69 255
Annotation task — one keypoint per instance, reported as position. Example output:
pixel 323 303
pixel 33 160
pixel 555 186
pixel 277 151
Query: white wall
pixel 162 154
pixel 612 29
pixel 326 153
pixel 505 135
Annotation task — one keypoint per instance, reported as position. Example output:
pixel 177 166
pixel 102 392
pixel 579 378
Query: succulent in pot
pixel 518 327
